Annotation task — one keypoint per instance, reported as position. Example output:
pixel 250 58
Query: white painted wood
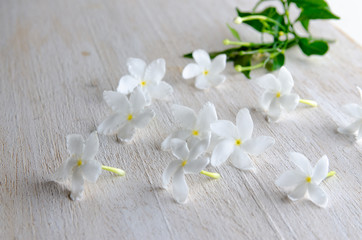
pixel 57 57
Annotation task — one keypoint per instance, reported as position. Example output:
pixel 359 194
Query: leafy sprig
pixel 248 56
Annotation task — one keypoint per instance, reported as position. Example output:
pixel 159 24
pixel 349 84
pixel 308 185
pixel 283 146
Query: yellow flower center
pixel 195 132
pixel 183 163
pixel 79 162
pixel 205 72
pixel 308 179
pixel 238 142
pixel 130 116
pixel 278 95
pixel 143 83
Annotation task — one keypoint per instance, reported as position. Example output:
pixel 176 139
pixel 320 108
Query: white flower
pixel 236 141
pixel 305 179
pixel 194 127
pixel 149 78
pixel 207 72
pixel 81 164
pixel 128 115
pixel 355 111
pixel 278 93
pixel 189 161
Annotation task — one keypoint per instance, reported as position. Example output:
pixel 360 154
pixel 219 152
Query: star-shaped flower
pixel 306 179
pixel 189 161
pixel 81 164
pixel 207 72
pixel 149 78
pixel 128 115
pixel 194 127
pixel 278 94
pixel 236 142
pixel 355 111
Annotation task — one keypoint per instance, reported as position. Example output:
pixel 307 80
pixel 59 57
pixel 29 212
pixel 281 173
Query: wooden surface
pixel 57 58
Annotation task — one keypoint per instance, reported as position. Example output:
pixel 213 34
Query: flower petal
pixel 266 99
pixel 126 132
pixel 225 129
pixel 91 146
pixel 274 111
pixel 179 149
pixel 137 100
pixel 196 166
pixel 136 67
pixel 191 70
pixel 257 145
pixel 290 178
pixel 169 172
pixel 77 185
pixel 198 149
pixel 126 84
pixel 301 162
pixel 214 80
pixel 241 160
pixel 75 144
pixel 222 152
pixel 181 134
pixel 179 186
pixel 202 82
pixel 350 129
pixel 360 92
pixel 112 124
pixel 91 170
pixel 202 58
pixel 155 71
pixel 63 172
pixel 206 116
pixel 185 116
pixel 244 124
pixel 117 101
pixel 289 102
pixel 317 195
pixel 286 80
pixel 320 171
pixel 298 192
pixel 359 135
pixel 141 120
pixel 218 64
pixel 354 110
pixel 269 82
pixel 161 91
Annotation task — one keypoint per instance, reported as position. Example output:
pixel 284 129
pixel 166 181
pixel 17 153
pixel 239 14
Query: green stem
pixel 118 171
pixel 245 44
pixel 240 68
pixel 309 102
pixel 330 174
pixel 239 20
pixel 211 174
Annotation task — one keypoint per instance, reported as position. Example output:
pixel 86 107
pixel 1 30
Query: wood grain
pixel 57 58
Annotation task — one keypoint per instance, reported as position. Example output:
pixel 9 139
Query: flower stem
pixel 240 68
pixel 211 174
pixel 117 171
pixel 239 20
pixel 330 174
pixel 245 44
pixel 309 102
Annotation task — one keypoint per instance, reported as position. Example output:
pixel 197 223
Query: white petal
pixel 354 110
pixel 258 145
pixel 214 80
pixel 241 159
pixel 126 132
pixel 360 92
pixel 244 124
pixel 317 195
pixel 196 166
pixel 222 152
pixel 136 67
pixel 202 82
pixel 269 82
pixel 290 101
pixel 359 135
pixel 155 71
pixel 198 149
pixel 117 101
pixel 141 120
pixel 169 172
pixel 206 116
pixel 202 58
pixel 290 178
pixel 137 100
pixel 185 116
pixel 91 146
pixel 274 111
pixel 179 186
pixel 179 149
pixel 286 80
pixel 63 172
pixel 181 134
pixel 350 129
pixel 91 170
pixel 126 84
pixel 77 185
pixel 112 124
pixel 266 99
pixel 191 70
pixel 75 144
pixel 301 162
pixel 218 64
pixel 320 170
pixel 298 192
pixel 161 91
pixel 225 129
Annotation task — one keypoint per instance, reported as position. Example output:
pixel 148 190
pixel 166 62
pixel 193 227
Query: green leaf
pixel 188 55
pixel 309 3
pixel 305 24
pixel 316 13
pixel 234 32
pixel 313 47
pixel 245 61
pixel 275 63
